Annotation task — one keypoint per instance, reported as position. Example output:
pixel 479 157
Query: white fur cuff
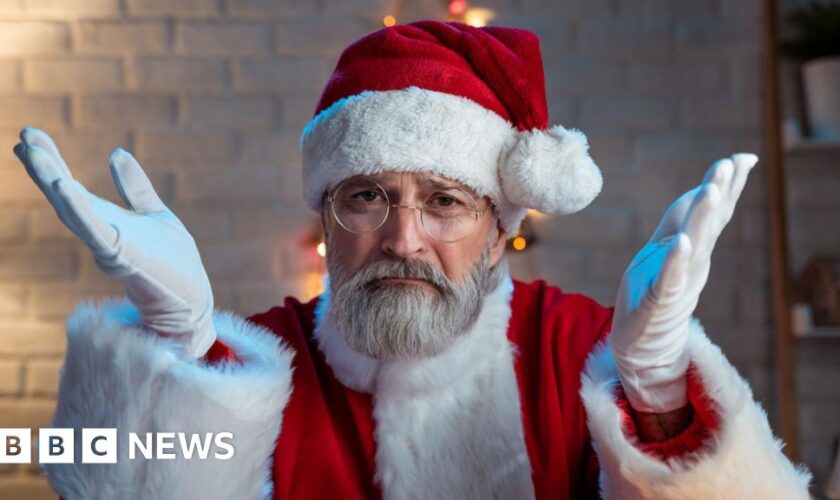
pixel 743 460
pixel 117 374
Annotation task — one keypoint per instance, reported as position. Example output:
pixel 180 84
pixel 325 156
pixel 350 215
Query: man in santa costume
pixel 424 370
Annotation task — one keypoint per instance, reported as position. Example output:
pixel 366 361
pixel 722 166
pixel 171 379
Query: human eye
pixel 365 195
pixel 447 202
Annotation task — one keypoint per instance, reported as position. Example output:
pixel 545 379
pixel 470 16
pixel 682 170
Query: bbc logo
pixel 55 446
pixel 99 445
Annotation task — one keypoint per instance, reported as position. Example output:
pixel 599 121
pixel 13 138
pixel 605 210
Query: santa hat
pixel 457 101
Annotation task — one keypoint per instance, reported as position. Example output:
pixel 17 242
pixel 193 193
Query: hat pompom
pixel 551 170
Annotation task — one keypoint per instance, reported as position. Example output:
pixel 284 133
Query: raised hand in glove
pixel 662 285
pixel 145 246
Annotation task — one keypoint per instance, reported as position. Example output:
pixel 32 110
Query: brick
pixel 225 38
pixel 22 337
pixel 319 36
pixel 651 190
pixel 193 150
pixel 12 300
pixel 127 111
pixel 181 8
pixel 73 9
pixel 595 225
pixel 721 113
pixel 86 150
pixel 574 9
pixel 626 113
pixel 12 8
pixel 45 225
pixel 12 225
pixel 42 377
pixel 558 265
pixel 607 264
pixel 38 262
pixel 747 9
pixel 123 36
pixel 716 36
pixel 10 76
pixel 18 112
pixel 101 183
pixel 745 74
pixel 26 413
pixel 272 224
pixel 754 307
pixel 25 38
pixel 245 187
pixel 10 378
pixel 16 187
pixel 180 74
pixel 669 8
pixel 562 109
pixel 556 34
pixel 679 150
pixel 266 149
pixel 633 38
pixel 717 301
pixel 206 225
pixel 58 300
pixel 278 75
pixel 610 150
pixel 77 74
pixel 281 8
pixel 675 78
pixel 298 110
pixel 243 261
pixel 350 8
pixel 234 111
pixel 578 75
pixel 251 298
pixel 29 487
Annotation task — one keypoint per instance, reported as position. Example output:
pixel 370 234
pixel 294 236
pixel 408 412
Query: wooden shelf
pixel 804 328
pixel 806 147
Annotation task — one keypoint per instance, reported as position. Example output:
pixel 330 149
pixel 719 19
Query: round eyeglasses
pixel 361 205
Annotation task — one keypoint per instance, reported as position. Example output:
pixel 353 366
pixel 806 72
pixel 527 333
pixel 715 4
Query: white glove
pixel 146 247
pixel 662 285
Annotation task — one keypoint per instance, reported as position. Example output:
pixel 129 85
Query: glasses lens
pixel 450 214
pixel 360 205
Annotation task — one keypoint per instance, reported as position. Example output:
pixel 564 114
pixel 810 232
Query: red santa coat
pixel 326 448
pixel 528 405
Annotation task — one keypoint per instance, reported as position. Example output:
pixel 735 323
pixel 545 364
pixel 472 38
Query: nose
pixel 403 233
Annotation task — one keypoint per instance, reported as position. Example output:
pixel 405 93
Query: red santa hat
pixel 457 101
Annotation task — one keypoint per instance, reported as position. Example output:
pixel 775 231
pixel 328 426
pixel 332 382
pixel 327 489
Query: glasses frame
pixel 330 199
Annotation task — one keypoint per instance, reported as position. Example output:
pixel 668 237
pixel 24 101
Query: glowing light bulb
pixel 457 7
pixel 478 17
pixel 389 20
pixel 321 249
pixel 519 243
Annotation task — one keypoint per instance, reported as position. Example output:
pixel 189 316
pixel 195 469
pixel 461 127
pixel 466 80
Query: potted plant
pixel 817 44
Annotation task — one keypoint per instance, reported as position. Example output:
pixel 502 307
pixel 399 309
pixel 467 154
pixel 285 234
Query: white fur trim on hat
pixel 419 130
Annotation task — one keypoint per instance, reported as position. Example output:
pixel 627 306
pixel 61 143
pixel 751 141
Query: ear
pixel 499 244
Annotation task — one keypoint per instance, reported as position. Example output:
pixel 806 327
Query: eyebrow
pixel 429 182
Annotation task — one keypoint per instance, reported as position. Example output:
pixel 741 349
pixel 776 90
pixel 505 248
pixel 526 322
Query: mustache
pixel 404 268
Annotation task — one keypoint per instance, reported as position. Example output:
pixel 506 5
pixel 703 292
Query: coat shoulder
pixel 568 323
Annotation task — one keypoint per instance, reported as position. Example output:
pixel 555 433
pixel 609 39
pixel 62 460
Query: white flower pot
pixel 822 97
